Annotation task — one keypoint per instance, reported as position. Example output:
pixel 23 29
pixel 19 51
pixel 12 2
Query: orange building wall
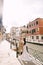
pixel 41 30
pixel 40 26
pixel 41 22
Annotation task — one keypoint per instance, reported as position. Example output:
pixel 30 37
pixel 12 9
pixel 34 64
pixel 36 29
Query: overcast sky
pixel 20 12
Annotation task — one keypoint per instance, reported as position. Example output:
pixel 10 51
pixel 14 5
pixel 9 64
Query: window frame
pixel 37 37
pixel 32 37
pixel 42 37
pixel 36 22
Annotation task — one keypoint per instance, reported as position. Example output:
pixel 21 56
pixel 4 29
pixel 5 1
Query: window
pixel 33 31
pixel 37 37
pixel 37 29
pixel 36 22
pixel 42 37
pixel 32 37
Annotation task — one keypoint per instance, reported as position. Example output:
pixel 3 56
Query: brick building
pixel 35 30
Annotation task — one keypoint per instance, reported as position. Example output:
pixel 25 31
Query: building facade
pixel 35 30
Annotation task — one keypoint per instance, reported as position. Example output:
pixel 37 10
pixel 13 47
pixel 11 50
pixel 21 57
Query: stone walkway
pixel 27 59
pixel 7 56
pixel 28 63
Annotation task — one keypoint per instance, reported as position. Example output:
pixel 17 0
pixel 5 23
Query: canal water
pixel 36 51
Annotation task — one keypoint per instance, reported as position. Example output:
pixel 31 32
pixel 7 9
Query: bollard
pixel 11 45
pixel 24 41
pixel 16 51
pixel 27 48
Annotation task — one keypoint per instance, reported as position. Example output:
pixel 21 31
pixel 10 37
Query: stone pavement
pixel 7 56
pixel 28 63
pixel 27 59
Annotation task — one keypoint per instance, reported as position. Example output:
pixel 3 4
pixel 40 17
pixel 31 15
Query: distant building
pixel 13 32
pixel 35 30
pixel 8 37
pixel 23 30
